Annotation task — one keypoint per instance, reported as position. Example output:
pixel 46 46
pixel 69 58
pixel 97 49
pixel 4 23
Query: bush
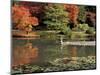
pixel 66 31
pixel 81 27
pixel 91 30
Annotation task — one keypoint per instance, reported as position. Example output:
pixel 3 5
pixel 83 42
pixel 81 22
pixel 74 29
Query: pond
pixel 44 55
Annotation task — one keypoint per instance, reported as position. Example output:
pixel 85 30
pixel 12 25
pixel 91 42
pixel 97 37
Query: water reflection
pixel 71 53
pixel 74 54
pixel 24 54
pixel 39 51
pixel 74 51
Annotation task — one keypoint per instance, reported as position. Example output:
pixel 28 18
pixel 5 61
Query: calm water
pixel 39 51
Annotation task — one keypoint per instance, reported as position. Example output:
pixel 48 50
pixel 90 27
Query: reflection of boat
pixel 24 54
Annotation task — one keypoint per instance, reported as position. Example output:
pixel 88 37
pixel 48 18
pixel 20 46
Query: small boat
pixel 83 43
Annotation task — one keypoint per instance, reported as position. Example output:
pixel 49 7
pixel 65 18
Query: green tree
pixel 56 18
pixel 82 15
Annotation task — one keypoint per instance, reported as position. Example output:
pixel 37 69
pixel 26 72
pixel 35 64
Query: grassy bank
pixel 64 64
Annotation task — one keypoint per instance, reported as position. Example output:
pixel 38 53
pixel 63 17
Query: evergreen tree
pixel 56 18
pixel 82 15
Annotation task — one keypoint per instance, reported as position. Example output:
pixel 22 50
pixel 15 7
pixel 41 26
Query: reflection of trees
pixel 74 54
pixel 24 54
pixel 74 51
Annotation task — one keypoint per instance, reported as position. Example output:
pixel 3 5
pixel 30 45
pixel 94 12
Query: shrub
pixel 66 31
pixel 91 30
pixel 81 27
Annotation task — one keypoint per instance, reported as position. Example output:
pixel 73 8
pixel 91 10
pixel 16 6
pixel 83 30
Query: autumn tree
pixel 34 7
pixel 56 18
pixel 22 18
pixel 73 13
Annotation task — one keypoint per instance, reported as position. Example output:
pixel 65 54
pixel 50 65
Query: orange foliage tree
pixel 73 13
pixel 35 8
pixel 22 18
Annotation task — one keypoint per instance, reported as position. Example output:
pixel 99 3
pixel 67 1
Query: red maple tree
pixel 73 12
pixel 22 18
